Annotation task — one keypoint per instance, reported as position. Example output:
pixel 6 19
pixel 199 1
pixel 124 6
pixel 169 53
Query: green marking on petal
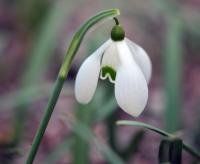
pixel 108 70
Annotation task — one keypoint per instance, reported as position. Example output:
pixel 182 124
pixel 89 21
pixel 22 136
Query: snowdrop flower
pixel 125 64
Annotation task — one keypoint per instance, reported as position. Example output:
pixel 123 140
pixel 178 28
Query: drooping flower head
pixel 125 64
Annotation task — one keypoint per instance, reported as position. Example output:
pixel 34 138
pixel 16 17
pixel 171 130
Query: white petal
pixel 110 56
pixel 116 54
pixel 141 58
pixel 131 90
pixel 124 53
pixel 88 74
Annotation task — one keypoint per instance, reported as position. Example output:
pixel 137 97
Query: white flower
pixel 126 65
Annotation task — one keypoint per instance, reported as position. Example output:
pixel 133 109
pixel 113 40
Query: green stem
pixel 186 147
pixel 173 75
pixel 111 131
pixel 78 37
pixel 73 48
pixel 47 115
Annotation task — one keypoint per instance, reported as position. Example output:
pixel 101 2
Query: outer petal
pixel 124 54
pixel 131 90
pixel 141 58
pixel 87 77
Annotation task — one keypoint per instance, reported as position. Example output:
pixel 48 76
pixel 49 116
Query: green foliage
pixel 87 135
pixel 173 73
pixel 45 43
pixel 186 147
pixel 172 59
pixel 44 20
pixel 73 48
pixel 59 151
pixel 170 150
pixel 40 56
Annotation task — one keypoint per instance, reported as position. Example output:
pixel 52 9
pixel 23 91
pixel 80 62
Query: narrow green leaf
pixel 176 151
pixel 171 151
pixel 38 60
pixel 143 125
pixel 186 147
pixel 79 35
pixel 85 133
pixel 164 151
pixel 106 109
pixel 133 145
pixel 58 152
pixel 173 73
pixel 104 102
pixel 45 42
pixel 73 48
pixel 29 93
pixel 168 8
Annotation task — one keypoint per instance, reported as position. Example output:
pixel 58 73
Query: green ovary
pixel 108 70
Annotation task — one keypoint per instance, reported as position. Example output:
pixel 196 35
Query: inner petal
pixel 108 72
pixel 110 63
pixel 110 57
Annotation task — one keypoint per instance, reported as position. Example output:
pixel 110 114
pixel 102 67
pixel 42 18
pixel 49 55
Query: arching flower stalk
pixel 125 64
pixel 62 75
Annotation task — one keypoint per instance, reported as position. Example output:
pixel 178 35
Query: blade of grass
pixel 146 126
pixel 106 104
pixel 167 7
pixel 59 151
pixel 81 148
pixel 87 117
pixel 85 133
pixel 40 55
pixel 172 60
pixel 173 74
pixel 45 42
pixel 186 147
pixel 63 73
pixel 133 146
pixel 33 12
pixel 104 111
pixel 164 151
pixel 33 93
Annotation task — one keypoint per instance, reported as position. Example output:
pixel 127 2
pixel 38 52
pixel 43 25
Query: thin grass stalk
pixel 73 48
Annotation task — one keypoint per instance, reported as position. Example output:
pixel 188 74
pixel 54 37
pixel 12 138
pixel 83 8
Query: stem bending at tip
pixel 78 37
pixel 116 21
pixel 186 147
pixel 73 48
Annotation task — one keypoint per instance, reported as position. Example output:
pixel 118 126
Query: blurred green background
pixel 34 36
